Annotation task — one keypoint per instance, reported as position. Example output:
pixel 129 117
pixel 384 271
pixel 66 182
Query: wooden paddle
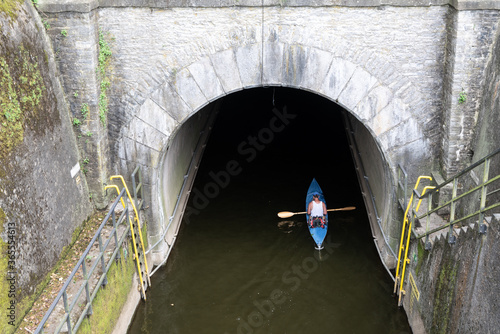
pixel 287 214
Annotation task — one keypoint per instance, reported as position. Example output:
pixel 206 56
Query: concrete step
pixel 436 221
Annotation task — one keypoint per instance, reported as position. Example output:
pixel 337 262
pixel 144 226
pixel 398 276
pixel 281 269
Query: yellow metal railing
pixel 467 203
pixel 139 233
pixel 136 255
pixel 405 241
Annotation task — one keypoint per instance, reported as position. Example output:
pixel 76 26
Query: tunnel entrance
pixel 236 266
pixel 285 137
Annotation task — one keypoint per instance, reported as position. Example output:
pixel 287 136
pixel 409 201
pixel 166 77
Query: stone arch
pixel 382 105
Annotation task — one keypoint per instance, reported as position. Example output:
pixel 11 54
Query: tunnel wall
pixel 178 171
pixel 44 196
pixel 377 187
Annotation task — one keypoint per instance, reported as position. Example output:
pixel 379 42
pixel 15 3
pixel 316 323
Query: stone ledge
pixel 59 6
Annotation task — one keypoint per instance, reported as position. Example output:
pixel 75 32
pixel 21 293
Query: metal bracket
pixel 483 228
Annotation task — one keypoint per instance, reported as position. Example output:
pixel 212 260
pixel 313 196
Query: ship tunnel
pixel 237 266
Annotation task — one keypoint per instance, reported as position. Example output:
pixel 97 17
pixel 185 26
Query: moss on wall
pixel 10 7
pixel 443 297
pixel 21 90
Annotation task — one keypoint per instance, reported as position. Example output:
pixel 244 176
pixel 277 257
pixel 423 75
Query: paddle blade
pixel 285 214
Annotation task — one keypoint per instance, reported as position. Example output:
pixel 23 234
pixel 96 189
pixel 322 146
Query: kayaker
pixel 317 212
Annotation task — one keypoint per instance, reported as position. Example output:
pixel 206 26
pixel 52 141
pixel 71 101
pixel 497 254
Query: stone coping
pixel 84 6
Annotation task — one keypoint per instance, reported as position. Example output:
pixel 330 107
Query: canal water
pixel 237 267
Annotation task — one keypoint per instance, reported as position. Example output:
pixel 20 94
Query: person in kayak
pixel 317 212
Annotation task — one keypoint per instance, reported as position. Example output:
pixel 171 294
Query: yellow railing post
pixel 403 229
pixel 133 240
pixel 138 223
pixel 407 244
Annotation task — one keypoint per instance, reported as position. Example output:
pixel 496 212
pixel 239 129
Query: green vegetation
pixel 10 7
pixel 83 166
pixel 85 110
pixel 76 122
pixel 462 97
pixel 104 56
pixel 46 24
pixel 109 300
pixel 443 297
pixel 21 91
pixel 64 33
pixel 11 132
pixel 420 259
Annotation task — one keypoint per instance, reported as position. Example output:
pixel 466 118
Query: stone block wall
pixel 398 67
pixel 456 285
pixel 75 39
pixel 469 51
pixel 43 193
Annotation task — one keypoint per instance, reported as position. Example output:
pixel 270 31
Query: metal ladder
pixel 137 240
pixel 405 240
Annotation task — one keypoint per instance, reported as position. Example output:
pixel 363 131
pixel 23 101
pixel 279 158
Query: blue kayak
pixel 318 233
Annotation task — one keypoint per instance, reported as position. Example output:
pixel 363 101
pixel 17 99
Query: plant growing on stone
pixel 103 58
pixel 85 110
pixel 462 97
pixel 64 32
pixel 76 122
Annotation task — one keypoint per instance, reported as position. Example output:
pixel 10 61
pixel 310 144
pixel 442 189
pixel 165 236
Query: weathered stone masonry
pixel 43 193
pixel 398 67
pixel 401 47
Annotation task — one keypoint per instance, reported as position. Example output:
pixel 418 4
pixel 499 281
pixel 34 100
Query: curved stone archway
pixel 380 104
pixel 382 108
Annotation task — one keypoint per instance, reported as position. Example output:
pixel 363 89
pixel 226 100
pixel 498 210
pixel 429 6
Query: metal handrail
pixel 87 310
pixel 451 203
pixel 139 242
pixel 404 245
pixel 461 173
pixel 170 219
